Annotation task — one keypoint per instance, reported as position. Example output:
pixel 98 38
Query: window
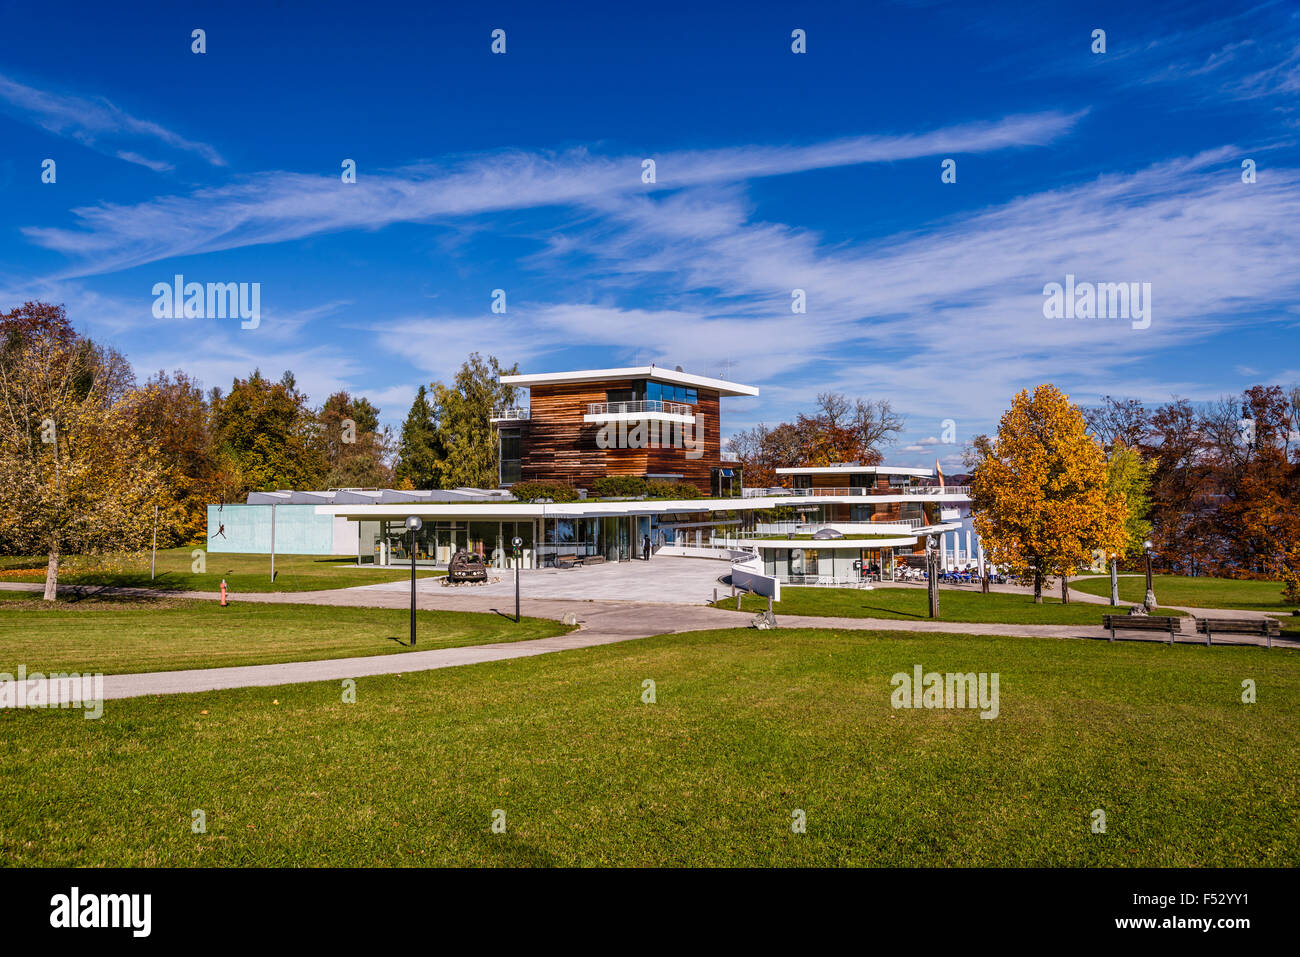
pixel 667 392
pixel 509 456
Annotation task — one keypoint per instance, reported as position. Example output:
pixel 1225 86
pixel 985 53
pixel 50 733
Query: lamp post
pixel 516 546
pixel 932 572
pixel 1150 600
pixel 1114 579
pixel 413 523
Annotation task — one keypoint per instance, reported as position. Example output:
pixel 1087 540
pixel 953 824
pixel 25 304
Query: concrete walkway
pixel 600 623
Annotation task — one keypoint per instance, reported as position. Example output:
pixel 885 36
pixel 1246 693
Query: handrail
pixel 640 405
pixel 917 490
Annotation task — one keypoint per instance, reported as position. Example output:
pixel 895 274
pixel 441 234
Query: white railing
pixel 509 414
pixel 824 581
pixel 918 490
pixel 641 405
pixel 855 528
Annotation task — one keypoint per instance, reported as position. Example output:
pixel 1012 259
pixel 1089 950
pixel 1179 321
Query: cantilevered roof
pixel 656 373
pixel 852 469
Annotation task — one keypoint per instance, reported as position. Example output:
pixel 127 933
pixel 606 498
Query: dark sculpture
pixel 466 567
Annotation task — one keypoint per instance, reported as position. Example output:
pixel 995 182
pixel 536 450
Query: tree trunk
pixel 1065 589
pixel 52 576
pixel 1038 587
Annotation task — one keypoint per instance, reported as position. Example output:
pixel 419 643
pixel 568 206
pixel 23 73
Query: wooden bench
pixel 1269 628
pixel 594 560
pixel 1168 623
pixel 567 561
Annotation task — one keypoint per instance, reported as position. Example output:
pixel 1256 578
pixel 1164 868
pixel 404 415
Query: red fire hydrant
pixel 223 593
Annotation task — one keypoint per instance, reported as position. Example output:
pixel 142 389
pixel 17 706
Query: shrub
pixel 613 486
pixel 555 491
pixel 657 488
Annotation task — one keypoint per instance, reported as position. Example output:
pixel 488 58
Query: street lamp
pixel 1150 600
pixel 516 546
pixel 413 523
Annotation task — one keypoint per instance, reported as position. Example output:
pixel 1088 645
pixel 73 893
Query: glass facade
pixel 437 541
pixel 508 456
pixel 671 393
pixel 615 538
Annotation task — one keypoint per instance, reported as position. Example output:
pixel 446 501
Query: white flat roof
pixel 657 373
pixel 494 511
pixel 850 469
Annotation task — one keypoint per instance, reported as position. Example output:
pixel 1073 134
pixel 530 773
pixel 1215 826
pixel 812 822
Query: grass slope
pixel 747 727
pixel 243 573
pixel 120 637
pixel 913 603
pixel 1202 592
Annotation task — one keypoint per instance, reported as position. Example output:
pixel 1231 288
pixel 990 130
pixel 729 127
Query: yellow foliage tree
pixel 74 475
pixel 1042 500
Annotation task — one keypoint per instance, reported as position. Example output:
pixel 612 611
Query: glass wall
pixel 438 540
pixel 613 538
pixel 509 456
pixel 670 393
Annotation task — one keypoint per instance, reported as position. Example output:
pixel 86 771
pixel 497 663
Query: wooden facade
pixel 557 445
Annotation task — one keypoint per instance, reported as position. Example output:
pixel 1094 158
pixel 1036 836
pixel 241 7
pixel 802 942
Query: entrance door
pixel 886 564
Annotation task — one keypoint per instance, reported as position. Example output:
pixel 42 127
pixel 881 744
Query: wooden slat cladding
pixel 556 445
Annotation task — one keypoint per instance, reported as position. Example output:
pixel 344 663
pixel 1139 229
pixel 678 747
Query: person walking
pixel 645 548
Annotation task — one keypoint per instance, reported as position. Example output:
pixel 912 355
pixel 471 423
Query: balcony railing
pixel 810 528
pixel 644 405
pixel 509 415
pixel 917 490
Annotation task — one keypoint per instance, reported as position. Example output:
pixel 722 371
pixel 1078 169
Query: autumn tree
pixel 1259 515
pixel 77 476
pixel 267 436
pixel 1041 498
pixel 172 415
pixel 462 416
pixel 356 446
pixel 1128 478
pixel 839 430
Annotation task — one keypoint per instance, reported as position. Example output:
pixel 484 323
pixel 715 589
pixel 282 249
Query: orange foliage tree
pixel 1042 500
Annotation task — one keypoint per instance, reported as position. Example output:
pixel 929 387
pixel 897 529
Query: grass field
pixel 1194 592
pixel 913 603
pixel 120 637
pixel 748 726
pixel 243 573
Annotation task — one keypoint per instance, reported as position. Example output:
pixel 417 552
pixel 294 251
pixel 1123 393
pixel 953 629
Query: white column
pixel 968 548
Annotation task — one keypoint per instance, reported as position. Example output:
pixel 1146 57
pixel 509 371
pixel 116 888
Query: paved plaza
pixel 677 581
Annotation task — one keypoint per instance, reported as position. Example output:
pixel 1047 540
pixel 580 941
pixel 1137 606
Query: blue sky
pixel 774 171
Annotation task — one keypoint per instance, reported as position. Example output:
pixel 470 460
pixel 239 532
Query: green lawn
pixel 118 637
pixel 242 573
pixel 913 603
pixel 748 726
pixel 1194 592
